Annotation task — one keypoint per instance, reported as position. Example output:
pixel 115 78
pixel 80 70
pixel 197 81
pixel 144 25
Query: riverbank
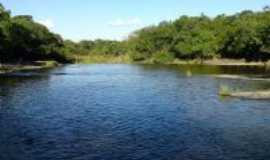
pixel 38 65
pixel 125 59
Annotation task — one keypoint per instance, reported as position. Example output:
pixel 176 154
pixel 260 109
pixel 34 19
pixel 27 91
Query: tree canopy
pixel 22 39
pixel 243 35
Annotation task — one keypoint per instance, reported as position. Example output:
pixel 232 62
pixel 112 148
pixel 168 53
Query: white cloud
pixel 126 22
pixel 47 22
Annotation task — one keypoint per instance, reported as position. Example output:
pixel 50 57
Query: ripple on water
pixel 82 112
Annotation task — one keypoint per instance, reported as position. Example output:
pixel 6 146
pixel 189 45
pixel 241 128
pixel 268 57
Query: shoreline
pixel 38 65
pixel 221 62
pixel 97 59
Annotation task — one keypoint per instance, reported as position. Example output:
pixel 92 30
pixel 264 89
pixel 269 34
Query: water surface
pixel 131 112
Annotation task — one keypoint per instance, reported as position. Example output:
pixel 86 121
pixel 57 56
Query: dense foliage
pixel 22 39
pixel 243 35
pixel 102 47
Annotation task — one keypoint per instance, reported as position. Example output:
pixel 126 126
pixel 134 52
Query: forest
pixel 244 35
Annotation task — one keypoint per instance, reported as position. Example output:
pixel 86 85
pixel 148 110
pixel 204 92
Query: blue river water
pixel 130 112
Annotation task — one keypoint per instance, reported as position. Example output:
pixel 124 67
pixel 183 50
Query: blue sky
pixel 115 19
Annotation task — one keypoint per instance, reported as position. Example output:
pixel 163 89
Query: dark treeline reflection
pixel 15 84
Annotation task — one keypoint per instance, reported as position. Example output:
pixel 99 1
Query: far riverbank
pixel 125 59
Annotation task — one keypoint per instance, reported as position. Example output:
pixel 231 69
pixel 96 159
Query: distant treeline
pixel 243 35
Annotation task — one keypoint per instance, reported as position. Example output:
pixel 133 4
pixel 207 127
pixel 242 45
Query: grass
pixel 224 90
pixel 188 73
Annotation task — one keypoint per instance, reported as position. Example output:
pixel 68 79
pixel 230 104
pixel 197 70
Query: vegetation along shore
pixel 244 35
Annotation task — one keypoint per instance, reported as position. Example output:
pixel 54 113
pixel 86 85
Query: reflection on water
pixel 114 112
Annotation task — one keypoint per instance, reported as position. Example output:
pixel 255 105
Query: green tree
pixel 4 34
pixel 195 38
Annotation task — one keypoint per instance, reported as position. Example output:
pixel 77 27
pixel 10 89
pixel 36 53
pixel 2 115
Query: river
pixel 131 112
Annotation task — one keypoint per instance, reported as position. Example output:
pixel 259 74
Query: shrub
pixel 163 57
pixel 136 56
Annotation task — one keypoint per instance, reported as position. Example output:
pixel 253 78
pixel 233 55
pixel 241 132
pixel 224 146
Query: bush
pixel 136 56
pixel 163 57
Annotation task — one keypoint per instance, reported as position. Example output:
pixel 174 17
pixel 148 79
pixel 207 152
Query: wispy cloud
pixel 126 22
pixel 47 22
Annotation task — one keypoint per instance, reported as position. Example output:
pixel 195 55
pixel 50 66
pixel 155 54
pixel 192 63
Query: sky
pixel 116 19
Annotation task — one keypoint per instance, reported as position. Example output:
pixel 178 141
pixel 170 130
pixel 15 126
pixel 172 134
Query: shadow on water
pixel 11 83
